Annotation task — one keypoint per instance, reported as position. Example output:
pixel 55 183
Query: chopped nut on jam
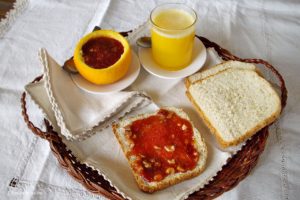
pixel 156 147
pixel 172 161
pixel 134 136
pixel 146 164
pixel 157 177
pixel 142 155
pixel 131 145
pixel 137 158
pixel 161 117
pixel 195 153
pixel 128 134
pixel 170 170
pixel 169 148
pixel 152 160
pixel 184 127
pixel 139 169
pixel 179 168
pixel 178 124
pixel 172 136
pixel 169 115
pixel 157 164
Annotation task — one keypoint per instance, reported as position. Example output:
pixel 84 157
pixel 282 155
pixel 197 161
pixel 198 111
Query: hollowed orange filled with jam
pixel 102 57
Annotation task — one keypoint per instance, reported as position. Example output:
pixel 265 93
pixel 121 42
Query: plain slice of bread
pixel 217 68
pixel 143 184
pixel 235 104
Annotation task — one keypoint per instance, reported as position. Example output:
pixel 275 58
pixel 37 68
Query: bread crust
pixel 188 82
pixel 215 132
pixel 151 187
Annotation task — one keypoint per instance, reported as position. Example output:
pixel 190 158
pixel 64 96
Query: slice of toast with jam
pixel 162 148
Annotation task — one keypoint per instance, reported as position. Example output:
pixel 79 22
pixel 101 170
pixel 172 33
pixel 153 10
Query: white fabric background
pixel 256 29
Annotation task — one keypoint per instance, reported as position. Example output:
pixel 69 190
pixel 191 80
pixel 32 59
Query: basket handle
pixel 36 130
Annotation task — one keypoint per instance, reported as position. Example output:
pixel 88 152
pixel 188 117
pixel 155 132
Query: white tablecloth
pixel 256 29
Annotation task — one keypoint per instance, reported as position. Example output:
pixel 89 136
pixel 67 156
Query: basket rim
pixel 235 170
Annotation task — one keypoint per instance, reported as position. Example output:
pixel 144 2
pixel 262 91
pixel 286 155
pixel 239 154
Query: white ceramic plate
pixel 198 60
pixel 132 74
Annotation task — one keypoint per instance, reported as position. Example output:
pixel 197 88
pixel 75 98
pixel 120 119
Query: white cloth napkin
pixel 77 114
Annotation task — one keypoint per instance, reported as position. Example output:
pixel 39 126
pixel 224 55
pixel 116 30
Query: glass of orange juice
pixel 172 35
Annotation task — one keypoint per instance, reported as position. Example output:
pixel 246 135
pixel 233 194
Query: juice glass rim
pixel 174 4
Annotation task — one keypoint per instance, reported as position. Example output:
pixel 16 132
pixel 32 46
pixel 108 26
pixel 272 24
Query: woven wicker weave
pixel 236 169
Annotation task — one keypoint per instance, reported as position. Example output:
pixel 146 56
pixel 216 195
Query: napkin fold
pixel 78 114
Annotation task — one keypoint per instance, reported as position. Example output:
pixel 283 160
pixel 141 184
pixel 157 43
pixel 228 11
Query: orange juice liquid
pixel 172 39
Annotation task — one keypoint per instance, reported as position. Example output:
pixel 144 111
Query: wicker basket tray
pixel 236 169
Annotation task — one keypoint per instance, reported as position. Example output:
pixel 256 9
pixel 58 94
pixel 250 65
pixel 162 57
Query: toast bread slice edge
pixel 230 64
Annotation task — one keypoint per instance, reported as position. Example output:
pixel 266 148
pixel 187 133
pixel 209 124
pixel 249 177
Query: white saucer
pixel 198 60
pixel 131 75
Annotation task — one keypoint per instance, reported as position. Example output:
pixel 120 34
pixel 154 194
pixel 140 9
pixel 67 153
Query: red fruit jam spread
pixel 163 144
pixel 102 52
